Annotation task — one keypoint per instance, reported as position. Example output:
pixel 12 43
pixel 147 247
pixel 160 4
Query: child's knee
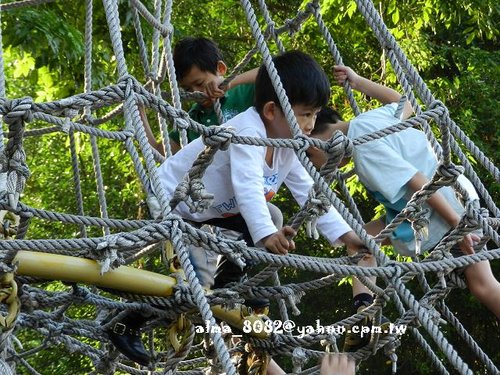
pixel 368 260
pixel 478 290
pixel 483 288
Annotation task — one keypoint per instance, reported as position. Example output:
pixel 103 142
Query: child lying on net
pixel 393 168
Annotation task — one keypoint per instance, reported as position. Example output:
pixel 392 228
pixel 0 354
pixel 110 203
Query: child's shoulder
pixel 373 120
pixel 243 91
pixel 247 123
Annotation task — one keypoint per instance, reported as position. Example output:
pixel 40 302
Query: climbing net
pixel 27 305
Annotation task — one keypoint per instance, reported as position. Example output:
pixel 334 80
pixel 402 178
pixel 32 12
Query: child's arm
pixel 248 185
pixel 245 77
pixel 443 208
pixel 149 133
pixel 331 225
pixel 384 94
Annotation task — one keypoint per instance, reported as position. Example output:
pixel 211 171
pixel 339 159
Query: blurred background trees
pixel 454 45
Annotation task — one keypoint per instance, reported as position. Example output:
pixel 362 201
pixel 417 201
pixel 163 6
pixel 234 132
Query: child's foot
pixel 360 334
pixel 126 337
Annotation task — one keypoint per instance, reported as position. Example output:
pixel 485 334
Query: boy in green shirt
pixel 199 66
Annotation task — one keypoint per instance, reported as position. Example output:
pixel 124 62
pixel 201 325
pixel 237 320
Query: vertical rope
pixel 141 43
pixel 131 111
pixel 3 175
pixel 273 73
pixel 271 25
pixel 314 6
pixel 93 139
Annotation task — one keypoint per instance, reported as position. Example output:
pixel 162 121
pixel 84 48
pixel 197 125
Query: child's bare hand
pixel 212 88
pixel 467 244
pixel 337 364
pixel 344 73
pixel 280 242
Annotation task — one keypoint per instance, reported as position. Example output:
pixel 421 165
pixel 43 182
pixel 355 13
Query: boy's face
pixel 305 115
pixel 319 157
pixel 198 80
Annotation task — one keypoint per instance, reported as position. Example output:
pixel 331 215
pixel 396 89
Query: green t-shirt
pixel 236 100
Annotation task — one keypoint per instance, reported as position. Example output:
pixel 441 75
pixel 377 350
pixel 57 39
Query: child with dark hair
pixel 199 66
pixel 393 168
pixel 244 177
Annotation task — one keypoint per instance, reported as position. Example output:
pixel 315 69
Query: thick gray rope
pixel 145 236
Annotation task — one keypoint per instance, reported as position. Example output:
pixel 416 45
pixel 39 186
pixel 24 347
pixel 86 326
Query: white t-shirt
pixel 242 182
pixel 386 165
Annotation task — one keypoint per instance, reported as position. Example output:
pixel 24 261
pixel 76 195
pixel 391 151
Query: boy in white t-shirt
pixel 244 177
pixel 394 167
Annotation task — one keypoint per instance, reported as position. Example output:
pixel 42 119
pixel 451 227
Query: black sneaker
pixel 355 338
pixel 227 272
pixel 126 337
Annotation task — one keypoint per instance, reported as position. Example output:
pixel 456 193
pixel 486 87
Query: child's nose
pixel 308 127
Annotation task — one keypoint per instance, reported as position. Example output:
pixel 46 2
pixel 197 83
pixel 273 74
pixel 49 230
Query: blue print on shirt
pixel 226 206
pixel 270 186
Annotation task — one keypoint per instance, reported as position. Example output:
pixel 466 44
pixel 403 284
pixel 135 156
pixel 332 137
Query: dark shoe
pixel 356 338
pixel 126 337
pixel 227 272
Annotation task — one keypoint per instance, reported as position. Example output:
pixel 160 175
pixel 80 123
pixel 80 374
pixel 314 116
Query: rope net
pixel 46 311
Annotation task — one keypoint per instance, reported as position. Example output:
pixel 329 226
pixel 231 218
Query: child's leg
pixel 362 296
pixel 204 262
pixel 484 286
pixel 227 271
pixel 358 288
pixel 274 369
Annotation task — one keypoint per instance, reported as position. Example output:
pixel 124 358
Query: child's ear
pixel 221 68
pixel 269 111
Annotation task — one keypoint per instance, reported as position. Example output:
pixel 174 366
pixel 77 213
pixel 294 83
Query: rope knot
pixel 194 188
pixel 339 146
pixel 293 25
pixel 109 258
pixel 219 136
pixel 168 30
pixel 318 205
pixel 471 219
pixel 127 79
pixel 299 358
pixel 303 142
pixel 181 122
pixel 16 164
pixel 18 109
pixel 438 104
pixel 313 6
pixel 293 298
pixel 182 292
pixel 419 218
pixel 449 173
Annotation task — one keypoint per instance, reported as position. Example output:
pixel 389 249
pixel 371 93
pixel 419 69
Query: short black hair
pixel 196 51
pixel 303 80
pixel 325 117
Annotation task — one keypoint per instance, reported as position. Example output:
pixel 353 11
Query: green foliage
pixel 453 44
